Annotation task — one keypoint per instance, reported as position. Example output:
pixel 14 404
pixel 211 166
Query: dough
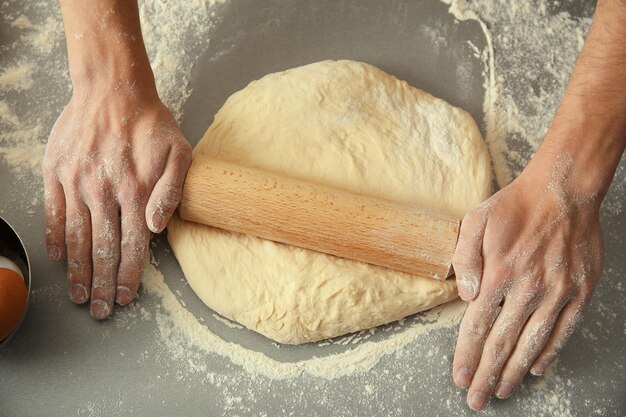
pixel 343 124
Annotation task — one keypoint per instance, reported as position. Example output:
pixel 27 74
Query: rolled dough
pixel 343 124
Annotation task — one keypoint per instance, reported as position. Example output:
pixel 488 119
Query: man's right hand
pixel 115 161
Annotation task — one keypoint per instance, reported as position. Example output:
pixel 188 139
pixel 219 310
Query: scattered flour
pixel 531 49
pixel 44 38
pixel 184 334
pixel 7 115
pixel 227 322
pixel 21 22
pixel 18 77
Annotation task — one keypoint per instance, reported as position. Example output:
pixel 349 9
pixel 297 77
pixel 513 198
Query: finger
pixel 472 334
pixel 532 340
pixel 55 212
pixel 565 325
pixel 467 259
pixel 500 343
pixel 106 257
pixel 78 240
pixel 134 245
pixel 168 190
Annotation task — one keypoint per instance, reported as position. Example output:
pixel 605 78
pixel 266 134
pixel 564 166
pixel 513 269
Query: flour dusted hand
pixel 530 257
pixel 112 169
pixel 115 161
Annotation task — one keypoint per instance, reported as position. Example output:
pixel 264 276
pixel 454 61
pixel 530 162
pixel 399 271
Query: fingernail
pixel 78 293
pixel 504 390
pixel 467 286
pixel 54 253
pixel 123 296
pixel 477 401
pixel 156 222
pixel 539 368
pixel 463 377
pixel 99 310
pixel 465 293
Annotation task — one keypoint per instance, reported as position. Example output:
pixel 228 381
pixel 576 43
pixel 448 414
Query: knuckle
pixel 77 269
pixel 472 217
pixel 458 260
pixel 106 254
pixel 496 283
pixel 48 170
pixel 498 354
pixel 97 196
pixel 463 261
pixel 134 247
pixel 184 151
pixel 460 264
pixel 49 166
pixel 75 237
pixel 586 291
pixel 134 193
pixel 170 198
pixel 533 343
pixel 55 220
pixel 134 189
pixel 575 320
pixel 534 288
pixel 537 270
pixel 503 269
pixel 172 191
pixel 98 190
pixel 563 290
pixel 106 234
pixel 462 258
pixel 475 330
pixel 498 349
pixel 103 255
pixel 504 340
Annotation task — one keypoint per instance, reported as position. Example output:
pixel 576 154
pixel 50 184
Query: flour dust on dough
pixel 342 124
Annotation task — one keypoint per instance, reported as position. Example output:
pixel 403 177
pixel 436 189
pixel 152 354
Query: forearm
pixel 590 125
pixel 104 44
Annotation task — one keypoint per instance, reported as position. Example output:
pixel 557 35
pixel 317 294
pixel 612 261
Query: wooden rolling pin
pixel 304 214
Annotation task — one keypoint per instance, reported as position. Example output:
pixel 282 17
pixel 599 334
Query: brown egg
pixel 13 297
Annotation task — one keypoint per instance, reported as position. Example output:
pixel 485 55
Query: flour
pixel 522 94
pixel 226 322
pixel 45 36
pixel 21 22
pixel 170 30
pixel 21 148
pixel 37 56
pixel 192 344
pixel 186 337
pixel 7 115
pixel 17 77
pixel 532 46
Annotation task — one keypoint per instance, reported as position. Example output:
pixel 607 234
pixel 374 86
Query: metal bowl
pixel 12 247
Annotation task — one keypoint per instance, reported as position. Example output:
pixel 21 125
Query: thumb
pixel 167 191
pixel 467 260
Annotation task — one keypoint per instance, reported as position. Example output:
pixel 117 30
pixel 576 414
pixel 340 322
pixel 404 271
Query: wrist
pixel 100 66
pixel 587 138
pixel 577 176
pixel 593 142
pixel 105 46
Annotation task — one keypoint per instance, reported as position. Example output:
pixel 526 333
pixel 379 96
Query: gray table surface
pixel 61 362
